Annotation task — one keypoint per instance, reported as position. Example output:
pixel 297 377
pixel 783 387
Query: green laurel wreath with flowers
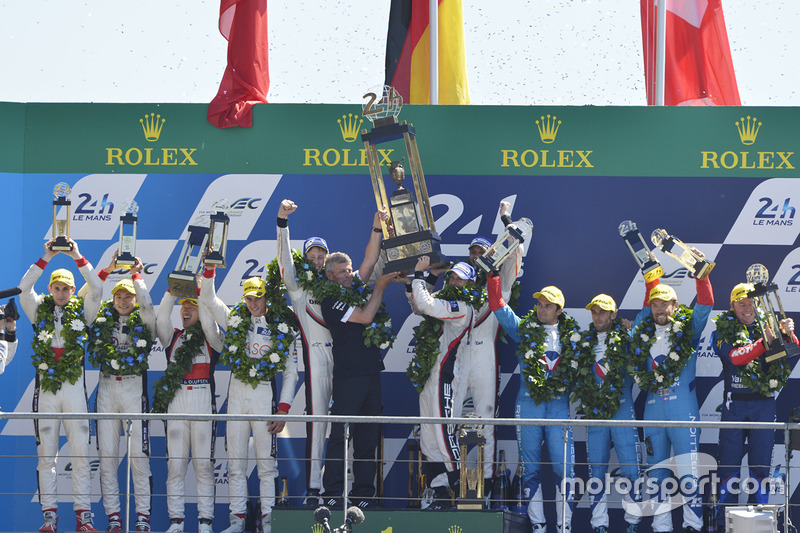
pixel 601 402
pixel 306 274
pixel 52 373
pixel 680 341
pixel 181 363
pixel 533 369
pixel 103 353
pixel 429 331
pixel 753 376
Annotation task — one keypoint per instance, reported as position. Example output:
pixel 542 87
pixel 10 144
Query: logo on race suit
pixel 768 216
pixel 333 156
pixel 747 129
pixel 152 125
pixel 547 128
pixel 96 202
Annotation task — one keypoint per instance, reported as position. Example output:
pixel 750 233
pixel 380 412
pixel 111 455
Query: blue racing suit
pixel 531 439
pixel 676 403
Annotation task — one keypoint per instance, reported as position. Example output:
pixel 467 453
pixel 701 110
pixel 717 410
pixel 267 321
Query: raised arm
pixel 28 298
pixel 373 250
pixel 208 297
pixel 214 335
pixel 285 262
pixel 94 294
pixel 366 313
pixel 143 298
pixel 504 314
pixel 164 325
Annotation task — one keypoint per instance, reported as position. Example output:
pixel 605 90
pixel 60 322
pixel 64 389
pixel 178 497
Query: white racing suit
pixel 244 399
pixel 125 394
pixel 70 398
pixel 196 396
pixel 317 359
pixel 8 347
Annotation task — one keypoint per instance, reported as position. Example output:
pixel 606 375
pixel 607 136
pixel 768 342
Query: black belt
pixel 748 397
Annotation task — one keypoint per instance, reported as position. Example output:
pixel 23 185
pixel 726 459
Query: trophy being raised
pixel 61 223
pixel 183 280
pixel 127 235
pixel 218 235
pixel 767 305
pixel 410 231
pixel 651 268
pixel 515 234
pixel 684 255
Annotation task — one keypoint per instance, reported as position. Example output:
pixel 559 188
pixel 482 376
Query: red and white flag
pixel 246 79
pixel 698 68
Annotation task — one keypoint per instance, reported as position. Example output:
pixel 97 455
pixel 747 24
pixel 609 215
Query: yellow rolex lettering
pixel 709 157
pixel 148 152
pixel 523 157
pixel 168 155
pixel 346 159
pixel 565 158
pixel 785 159
pixel 509 155
pixel 544 160
pixel 765 159
pixel 137 153
pixel 187 156
pixel 311 153
pixel 729 156
pixel 385 153
pixel 744 161
pixel 114 154
pixel 364 161
pixel 327 159
pixel 584 158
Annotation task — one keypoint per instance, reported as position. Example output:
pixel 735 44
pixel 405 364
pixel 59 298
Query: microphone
pixel 354 516
pixel 7 293
pixel 323 515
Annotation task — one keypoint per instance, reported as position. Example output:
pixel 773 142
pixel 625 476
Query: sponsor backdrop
pixel 720 179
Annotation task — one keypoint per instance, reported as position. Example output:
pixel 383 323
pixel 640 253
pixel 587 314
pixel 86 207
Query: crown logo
pixel 548 128
pixel 151 125
pixel 454 529
pixel 748 130
pixel 349 125
pixel 317 528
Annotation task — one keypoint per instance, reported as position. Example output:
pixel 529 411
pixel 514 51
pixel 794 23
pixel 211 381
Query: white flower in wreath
pixel 141 343
pixel 77 325
pixel 44 336
pixel 309 275
pixel 750 365
pixel 43 366
pixel 232 348
pixel 562 389
pixel 283 328
pixel 575 337
pixel 384 345
pixel 644 337
pixel 234 321
pixel 659 378
pixel 189 336
pixel 100 319
pixel 574 364
pixel 674 356
pixel 585 344
pixel 636 379
pixel 773 384
pixel 389 323
pixel 275 358
pixel 676 326
pixel 114 364
pixel 529 354
pixel 252 372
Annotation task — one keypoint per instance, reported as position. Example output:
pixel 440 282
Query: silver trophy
pixel 768 306
pixel 127 234
pixel 61 224
pixel 515 234
pixel 218 235
pixel 647 262
pixel 183 280
pixel 676 249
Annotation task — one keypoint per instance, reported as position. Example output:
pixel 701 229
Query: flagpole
pixel 661 49
pixel 433 27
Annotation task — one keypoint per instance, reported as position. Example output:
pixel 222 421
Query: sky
pixel 519 52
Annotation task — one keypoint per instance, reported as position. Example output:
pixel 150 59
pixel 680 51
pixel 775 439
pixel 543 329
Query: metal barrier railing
pixel 785 428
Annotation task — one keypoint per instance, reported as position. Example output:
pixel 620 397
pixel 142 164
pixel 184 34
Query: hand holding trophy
pixel 775 327
pixel 683 254
pixel 651 268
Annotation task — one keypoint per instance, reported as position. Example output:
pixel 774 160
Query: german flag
pixel 408 52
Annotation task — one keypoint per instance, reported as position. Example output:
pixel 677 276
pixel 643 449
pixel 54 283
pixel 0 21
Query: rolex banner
pixel 723 179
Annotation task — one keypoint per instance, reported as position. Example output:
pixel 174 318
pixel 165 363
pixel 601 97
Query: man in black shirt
pixel 356 384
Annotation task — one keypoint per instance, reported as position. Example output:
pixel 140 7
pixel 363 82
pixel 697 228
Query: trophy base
pixel 402 252
pixel 216 260
pixel 703 269
pixel 183 283
pixel 61 244
pixel 780 352
pixel 470 503
pixel 653 272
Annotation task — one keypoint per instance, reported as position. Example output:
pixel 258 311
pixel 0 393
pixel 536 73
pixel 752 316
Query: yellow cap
pixel 192 301
pixel 604 301
pixel 123 285
pixel 552 294
pixel 62 275
pixel 662 292
pixel 254 287
pixel 741 291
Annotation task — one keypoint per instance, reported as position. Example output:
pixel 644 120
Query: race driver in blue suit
pixel 671 397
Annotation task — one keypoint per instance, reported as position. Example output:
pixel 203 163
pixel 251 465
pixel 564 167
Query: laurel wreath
pixel 106 356
pixel 753 376
pixel 52 373
pixel 306 274
pixel 429 331
pixel 531 350
pixel 680 340
pixel 601 402
pixel 178 366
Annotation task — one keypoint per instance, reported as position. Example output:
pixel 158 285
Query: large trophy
pixel 183 280
pixel 472 491
pixel 767 313
pixel 410 232
pixel 218 235
pixel 647 262
pixel 61 225
pixel 684 255
pixel 515 234
pixel 127 235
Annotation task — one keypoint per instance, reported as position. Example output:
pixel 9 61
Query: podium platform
pixel 289 520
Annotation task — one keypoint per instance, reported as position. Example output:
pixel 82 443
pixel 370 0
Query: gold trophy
pixel 647 262
pixel 471 476
pixel 127 235
pixel 218 235
pixel 767 313
pixel 676 249
pixel 61 225
pixel 411 232
pixel 183 280
pixel 515 234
